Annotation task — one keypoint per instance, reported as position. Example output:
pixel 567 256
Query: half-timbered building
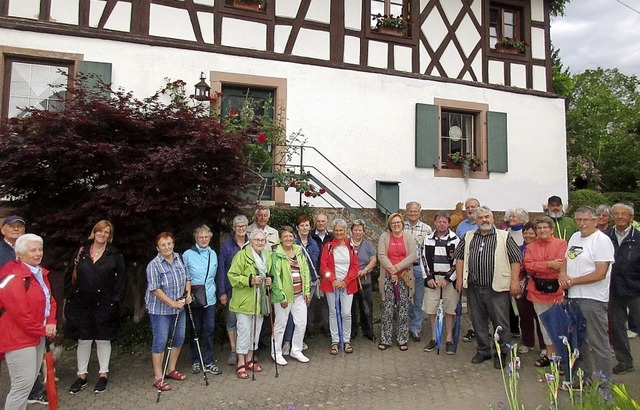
pixel 382 101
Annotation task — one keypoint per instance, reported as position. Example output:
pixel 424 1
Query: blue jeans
pixel 161 326
pixel 416 315
pixel 205 321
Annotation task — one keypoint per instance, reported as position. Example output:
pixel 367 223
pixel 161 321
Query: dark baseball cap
pixel 554 200
pixel 13 218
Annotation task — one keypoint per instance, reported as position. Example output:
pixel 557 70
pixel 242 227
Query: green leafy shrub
pixel 585 197
pixel 281 216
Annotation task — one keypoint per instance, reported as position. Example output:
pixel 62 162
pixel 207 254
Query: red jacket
pixel 22 323
pixel 328 268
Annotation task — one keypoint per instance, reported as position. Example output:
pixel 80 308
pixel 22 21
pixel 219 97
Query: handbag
pixel 199 292
pixel 546 285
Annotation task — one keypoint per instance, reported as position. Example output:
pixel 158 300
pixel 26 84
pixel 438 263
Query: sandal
pixel 176 375
pixel 383 346
pixel 542 362
pixel 253 366
pixel 241 372
pixel 334 350
pixel 403 347
pixel 161 386
pixel 348 348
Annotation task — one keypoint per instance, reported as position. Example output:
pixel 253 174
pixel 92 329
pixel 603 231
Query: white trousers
pixel 83 353
pixel 298 310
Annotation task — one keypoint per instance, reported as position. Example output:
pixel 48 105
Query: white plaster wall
pixel 539 74
pixel 351 50
pixel 538 43
pixel 537 10
pixel 402 58
pixel 120 18
pixel 378 54
pixel 206 26
pixel 95 11
pixel 312 43
pixel 434 29
pixel 518 75
pixel 320 11
pixel 496 72
pixel 29 9
pixel 170 22
pixel 64 11
pixel 364 122
pixel 235 34
pixel 287 8
pixel 280 36
pixel 353 14
pixel 205 2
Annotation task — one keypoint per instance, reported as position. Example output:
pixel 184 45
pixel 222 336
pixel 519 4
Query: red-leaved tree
pixel 144 165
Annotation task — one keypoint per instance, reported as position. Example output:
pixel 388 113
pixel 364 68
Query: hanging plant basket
pixel 253 6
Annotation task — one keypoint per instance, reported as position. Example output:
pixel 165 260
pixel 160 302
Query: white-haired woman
pixel 29 315
pixel 202 266
pixel 248 275
pixel 228 250
pixel 339 270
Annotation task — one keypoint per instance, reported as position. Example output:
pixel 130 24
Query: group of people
pixel 313 277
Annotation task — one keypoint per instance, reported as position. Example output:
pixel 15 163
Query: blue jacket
pixel 195 260
pixel 312 255
pixel 227 251
pixel 625 272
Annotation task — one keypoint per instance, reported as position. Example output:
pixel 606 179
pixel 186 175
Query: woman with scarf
pixel 339 270
pixel 396 252
pixel 249 278
pixel 291 294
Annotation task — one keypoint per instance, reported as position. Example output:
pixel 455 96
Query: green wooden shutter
pixel 101 71
pixel 427 138
pixel 497 142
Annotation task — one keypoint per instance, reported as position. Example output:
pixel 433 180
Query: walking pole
pixel 336 293
pixel 196 339
pixel 273 335
pixel 253 332
pixel 168 354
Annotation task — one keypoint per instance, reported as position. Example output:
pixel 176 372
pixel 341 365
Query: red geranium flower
pixel 322 191
pixel 307 193
pixel 262 138
pixel 213 100
pixel 293 184
pixel 233 112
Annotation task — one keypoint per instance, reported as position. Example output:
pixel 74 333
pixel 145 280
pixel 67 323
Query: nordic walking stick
pixel 168 354
pixel 273 335
pixel 253 332
pixel 197 340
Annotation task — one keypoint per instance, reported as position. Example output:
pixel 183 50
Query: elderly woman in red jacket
pixel 28 316
pixel 339 270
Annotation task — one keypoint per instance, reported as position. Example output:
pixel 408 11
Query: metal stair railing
pixel 336 192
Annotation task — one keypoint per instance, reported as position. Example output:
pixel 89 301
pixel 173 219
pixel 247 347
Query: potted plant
pixel 511 45
pixel 388 24
pixel 255 5
pixel 468 162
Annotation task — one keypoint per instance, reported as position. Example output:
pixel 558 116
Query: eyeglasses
pixel 396 223
pixel 203 237
pixel 240 226
pixel 581 220
pixel 259 240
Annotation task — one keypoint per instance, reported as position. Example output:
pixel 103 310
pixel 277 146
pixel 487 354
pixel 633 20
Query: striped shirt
pixel 482 255
pixel 171 278
pixel 437 255
pixel 419 231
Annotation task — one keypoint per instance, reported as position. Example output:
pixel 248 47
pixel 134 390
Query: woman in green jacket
pixel 291 294
pixel 249 278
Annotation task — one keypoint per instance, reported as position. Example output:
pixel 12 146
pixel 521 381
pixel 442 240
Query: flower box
pixel 390 31
pixel 507 50
pixel 253 6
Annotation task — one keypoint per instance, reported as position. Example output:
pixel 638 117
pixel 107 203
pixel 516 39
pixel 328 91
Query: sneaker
pixel 101 385
pixel 449 348
pixel 233 359
pixel 279 360
pixel 212 368
pixel 470 335
pixel 430 346
pixel 39 399
pixel 195 368
pixel 78 385
pixel 631 334
pixel 416 337
pixel 622 369
pixel 286 348
pixel 543 352
pixel 304 346
pixel 301 358
pixel 524 349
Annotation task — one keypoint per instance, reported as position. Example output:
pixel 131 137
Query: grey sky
pixel 599 33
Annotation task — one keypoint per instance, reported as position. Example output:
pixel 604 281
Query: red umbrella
pixel 52 389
